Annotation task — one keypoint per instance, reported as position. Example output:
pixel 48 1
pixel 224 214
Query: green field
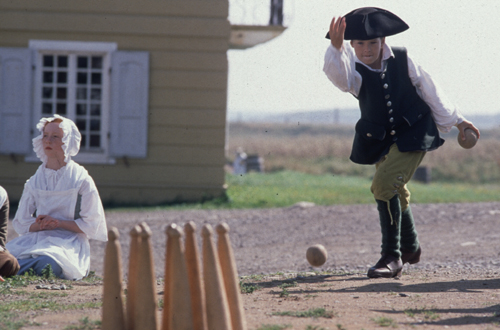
pixel 311 163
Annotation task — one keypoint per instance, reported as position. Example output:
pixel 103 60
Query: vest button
pixel 389 103
pixel 387 96
pixel 393 132
pixel 391 120
pixel 369 134
pixel 386 86
pixel 382 75
pixel 391 111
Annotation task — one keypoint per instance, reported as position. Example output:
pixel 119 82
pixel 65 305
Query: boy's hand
pixel 337 29
pixel 464 125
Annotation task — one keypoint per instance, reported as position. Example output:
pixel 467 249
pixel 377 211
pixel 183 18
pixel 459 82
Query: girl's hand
pixel 46 222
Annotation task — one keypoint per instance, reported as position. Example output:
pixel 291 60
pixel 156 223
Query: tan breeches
pixel 392 174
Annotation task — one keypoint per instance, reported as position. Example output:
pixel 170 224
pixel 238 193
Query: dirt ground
pixel 456 285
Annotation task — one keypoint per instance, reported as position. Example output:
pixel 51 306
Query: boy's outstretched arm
pixel 337 30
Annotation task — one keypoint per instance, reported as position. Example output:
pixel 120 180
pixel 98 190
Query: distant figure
pixel 240 162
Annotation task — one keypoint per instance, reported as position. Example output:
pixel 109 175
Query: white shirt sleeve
pixel 340 68
pixel 92 219
pixel 24 215
pixel 445 113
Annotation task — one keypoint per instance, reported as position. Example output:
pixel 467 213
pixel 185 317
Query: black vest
pixel 391 112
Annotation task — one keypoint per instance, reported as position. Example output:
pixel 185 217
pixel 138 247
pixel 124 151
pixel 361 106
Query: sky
pixel 455 41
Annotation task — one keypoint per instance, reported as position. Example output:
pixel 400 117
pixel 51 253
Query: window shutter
pixel 129 104
pixel 15 100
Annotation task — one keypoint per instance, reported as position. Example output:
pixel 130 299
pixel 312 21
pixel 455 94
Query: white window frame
pixel 104 49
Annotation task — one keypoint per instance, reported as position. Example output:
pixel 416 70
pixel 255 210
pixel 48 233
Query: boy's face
pixel 369 51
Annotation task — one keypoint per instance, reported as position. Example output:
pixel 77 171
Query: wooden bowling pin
pixel 113 317
pixel 230 276
pixel 218 315
pixel 179 300
pixel 145 305
pixel 195 278
pixel 133 276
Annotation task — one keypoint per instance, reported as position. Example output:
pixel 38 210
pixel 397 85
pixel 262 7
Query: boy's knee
pixel 384 189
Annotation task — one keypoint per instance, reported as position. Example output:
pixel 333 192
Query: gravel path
pixel 458 237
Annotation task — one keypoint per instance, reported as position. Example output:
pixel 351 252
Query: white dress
pixel 56 193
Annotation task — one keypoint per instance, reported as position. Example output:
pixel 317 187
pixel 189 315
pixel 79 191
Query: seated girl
pixel 60 208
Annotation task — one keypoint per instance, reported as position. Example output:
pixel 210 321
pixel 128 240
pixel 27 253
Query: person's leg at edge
pixel 8 263
pixel 38 264
pixel 389 189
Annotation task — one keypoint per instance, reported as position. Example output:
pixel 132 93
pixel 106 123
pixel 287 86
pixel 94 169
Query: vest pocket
pixel 369 130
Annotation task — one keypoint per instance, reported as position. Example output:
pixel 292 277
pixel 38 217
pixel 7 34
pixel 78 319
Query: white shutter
pixel 129 104
pixel 15 100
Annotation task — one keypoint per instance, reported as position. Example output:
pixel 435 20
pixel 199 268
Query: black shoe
pixel 388 266
pixel 411 257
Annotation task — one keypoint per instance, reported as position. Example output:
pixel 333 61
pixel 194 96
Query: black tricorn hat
pixel 370 22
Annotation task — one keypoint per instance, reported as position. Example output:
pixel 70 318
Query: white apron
pixel 70 250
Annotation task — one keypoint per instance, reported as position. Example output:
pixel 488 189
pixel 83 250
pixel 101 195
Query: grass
pixel 314 313
pixel 16 301
pixel 274 326
pixel 247 288
pixel 286 188
pixel 385 322
pixel 429 314
pixel 85 324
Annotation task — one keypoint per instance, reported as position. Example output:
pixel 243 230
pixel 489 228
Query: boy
pixel 401 112
pixel 8 263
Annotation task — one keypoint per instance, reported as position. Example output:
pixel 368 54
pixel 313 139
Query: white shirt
pixel 340 68
pixel 55 193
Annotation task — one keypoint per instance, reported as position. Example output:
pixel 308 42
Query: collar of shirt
pixel 386 54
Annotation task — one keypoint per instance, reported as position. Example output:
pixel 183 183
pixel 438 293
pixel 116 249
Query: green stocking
pixel 409 237
pixel 390 225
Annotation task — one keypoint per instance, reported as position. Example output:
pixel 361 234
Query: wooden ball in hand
pixel 470 139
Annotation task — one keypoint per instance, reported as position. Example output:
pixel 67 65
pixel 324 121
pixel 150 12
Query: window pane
pixel 95 109
pixel 81 109
pixel 62 77
pixel 95 141
pixel 96 62
pixel 61 108
pixel 96 78
pixel 81 78
pixel 95 125
pixel 81 93
pixel 47 108
pixel 61 93
pixel 95 94
pixel 62 61
pixel 47 92
pixel 83 143
pixel 82 62
pixel 81 124
pixel 48 77
pixel 48 61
